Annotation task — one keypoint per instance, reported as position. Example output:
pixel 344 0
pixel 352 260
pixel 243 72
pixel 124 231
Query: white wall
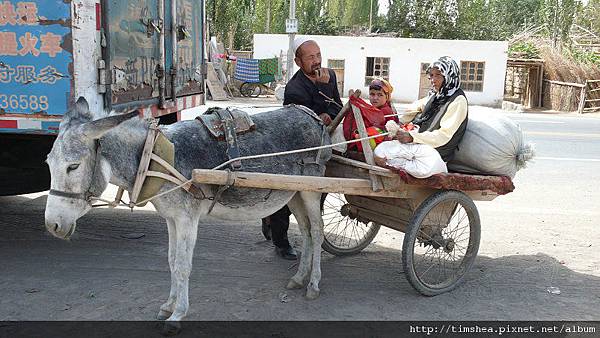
pixel 406 56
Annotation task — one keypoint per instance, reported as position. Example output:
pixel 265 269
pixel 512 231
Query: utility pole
pixel 371 17
pixel 291 27
pixel 268 21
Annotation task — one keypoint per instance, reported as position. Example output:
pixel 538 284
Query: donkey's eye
pixel 72 167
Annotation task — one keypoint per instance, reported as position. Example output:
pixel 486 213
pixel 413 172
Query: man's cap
pixel 299 41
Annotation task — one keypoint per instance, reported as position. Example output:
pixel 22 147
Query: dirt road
pixel 108 272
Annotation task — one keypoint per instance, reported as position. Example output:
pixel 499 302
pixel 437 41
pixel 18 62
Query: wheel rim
pixel 341 230
pixel 443 245
pixel 251 89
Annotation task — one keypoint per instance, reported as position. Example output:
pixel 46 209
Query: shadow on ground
pixel 115 268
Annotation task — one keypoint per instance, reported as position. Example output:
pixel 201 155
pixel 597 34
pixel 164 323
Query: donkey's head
pixel 77 170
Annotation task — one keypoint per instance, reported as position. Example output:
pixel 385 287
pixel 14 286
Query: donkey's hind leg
pixel 166 310
pixel 300 279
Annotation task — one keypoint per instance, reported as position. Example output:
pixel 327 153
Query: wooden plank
pixel 350 186
pixel 348 161
pixel 144 162
pixel 592 100
pixel 582 99
pixel 594 90
pixel 593 81
pixel 338 118
pixel 214 84
pixel 366 146
pixel 578 85
pixel 386 207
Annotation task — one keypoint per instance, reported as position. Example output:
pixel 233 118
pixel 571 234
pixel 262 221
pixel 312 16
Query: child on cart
pixel 380 96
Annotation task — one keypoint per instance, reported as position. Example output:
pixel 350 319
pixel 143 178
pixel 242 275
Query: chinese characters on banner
pixel 32 55
pixel 26 13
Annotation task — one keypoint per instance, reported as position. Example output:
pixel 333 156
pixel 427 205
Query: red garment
pixel 372 116
pixel 387 110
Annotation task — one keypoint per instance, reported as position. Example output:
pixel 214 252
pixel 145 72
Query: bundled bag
pixel 419 160
pixel 492 145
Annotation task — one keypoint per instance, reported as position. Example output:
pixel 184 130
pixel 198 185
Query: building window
pixel 471 76
pixel 377 67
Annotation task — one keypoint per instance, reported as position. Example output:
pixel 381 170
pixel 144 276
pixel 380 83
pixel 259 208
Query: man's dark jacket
pixel 301 90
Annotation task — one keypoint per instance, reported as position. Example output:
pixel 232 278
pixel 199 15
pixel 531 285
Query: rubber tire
pixel 330 247
pixel 414 225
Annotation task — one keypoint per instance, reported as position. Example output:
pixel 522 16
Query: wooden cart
pixel 437 214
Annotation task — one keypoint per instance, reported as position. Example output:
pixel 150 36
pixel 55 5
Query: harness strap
pixel 175 176
pixel 87 195
pixel 228 184
pixel 189 187
pixel 233 151
pixel 81 196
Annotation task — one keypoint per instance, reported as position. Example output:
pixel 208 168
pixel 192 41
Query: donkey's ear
pixel 95 129
pixel 77 114
pixel 82 104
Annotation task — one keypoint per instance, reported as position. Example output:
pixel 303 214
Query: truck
pixel 120 55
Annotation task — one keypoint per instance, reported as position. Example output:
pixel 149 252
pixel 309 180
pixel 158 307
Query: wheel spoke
pixel 443 244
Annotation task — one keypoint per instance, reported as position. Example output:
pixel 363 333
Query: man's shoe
pixel 287 253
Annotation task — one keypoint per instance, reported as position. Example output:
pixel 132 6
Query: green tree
pixel 558 15
pixel 397 17
pixel 589 17
pixel 228 19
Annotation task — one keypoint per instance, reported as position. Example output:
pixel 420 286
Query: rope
pixel 297 150
pixel 131 205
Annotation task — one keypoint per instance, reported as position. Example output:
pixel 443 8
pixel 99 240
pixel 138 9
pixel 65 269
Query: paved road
pixel 545 234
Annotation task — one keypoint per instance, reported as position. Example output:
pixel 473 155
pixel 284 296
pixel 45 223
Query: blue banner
pixel 35 57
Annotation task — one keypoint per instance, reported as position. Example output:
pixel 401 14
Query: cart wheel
pixel 250 89
pixel 344 235
pixel 441 242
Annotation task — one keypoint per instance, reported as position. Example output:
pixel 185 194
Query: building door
pixel 337 65
pixel 424 84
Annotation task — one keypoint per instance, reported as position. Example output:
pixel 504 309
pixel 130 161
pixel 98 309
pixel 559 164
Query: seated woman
pixel 441 117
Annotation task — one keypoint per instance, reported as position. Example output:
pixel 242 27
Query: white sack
pixel 492 145
pixel 419 160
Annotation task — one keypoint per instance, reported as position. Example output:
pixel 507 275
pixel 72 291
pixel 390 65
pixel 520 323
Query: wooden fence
pixel 569 96
pixel 590 97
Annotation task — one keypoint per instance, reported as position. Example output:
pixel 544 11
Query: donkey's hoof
pixel 163 315
pixel 312 294
pixel 292 284
pixel 171 328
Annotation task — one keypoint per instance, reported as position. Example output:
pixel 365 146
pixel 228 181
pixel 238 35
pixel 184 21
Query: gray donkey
pixel 89 153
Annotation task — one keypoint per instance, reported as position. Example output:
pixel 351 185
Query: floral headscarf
pixel 451 72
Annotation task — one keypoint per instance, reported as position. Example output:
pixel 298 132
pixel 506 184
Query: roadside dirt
pixel 107 273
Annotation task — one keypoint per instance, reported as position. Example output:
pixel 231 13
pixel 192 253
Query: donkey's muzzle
pixel 60 231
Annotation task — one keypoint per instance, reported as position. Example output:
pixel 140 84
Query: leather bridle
pixel 87 196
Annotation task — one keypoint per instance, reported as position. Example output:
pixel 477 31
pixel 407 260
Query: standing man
pixel 315 88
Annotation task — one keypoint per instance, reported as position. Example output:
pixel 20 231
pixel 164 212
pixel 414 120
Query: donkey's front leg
pixel 313 208
pixel 166 310
pixel 186 232
pixel 300 279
